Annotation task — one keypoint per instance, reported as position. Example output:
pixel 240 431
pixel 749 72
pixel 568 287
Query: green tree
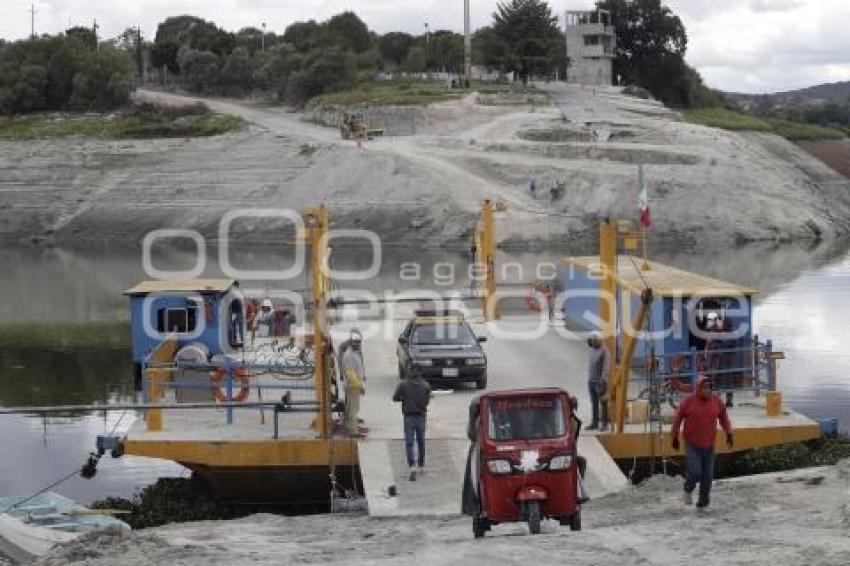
pixel 489 50
pixel 132 41
pixel 199 70
pixel 305 36
pixel 282 60
pixel 395 46
pixel 237 73
pixel 195 33
pixel 31 88
pixel 650 51
pixel 62 72
pixel 102 82
pixel 445 52
pixel 530 31
pixel 417 60
pixel 164 54
pixel 251 39
pixel 85 36
pixel 324 70
pixel 349 32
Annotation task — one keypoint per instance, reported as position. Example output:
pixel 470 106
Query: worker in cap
pixel 265 318
pixel 353 374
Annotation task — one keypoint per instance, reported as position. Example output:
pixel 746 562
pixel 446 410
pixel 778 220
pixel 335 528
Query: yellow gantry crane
pixel 609 236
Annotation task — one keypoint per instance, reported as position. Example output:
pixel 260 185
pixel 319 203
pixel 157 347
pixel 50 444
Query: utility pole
pixel 263 38
pixel 467 45
pixel 427 48
pixel 94 29
pixel 32 21
pixel 140 59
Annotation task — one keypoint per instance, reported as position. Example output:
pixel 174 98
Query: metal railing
pixel 731 368
pixel 230 381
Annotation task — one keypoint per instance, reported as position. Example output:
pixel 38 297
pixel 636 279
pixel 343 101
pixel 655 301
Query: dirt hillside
pixel 705 185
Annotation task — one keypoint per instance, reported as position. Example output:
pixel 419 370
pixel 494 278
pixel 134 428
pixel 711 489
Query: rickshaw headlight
pixel 499 466
pixel 560 462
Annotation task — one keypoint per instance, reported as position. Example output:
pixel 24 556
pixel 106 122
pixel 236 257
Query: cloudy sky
pixel 737 45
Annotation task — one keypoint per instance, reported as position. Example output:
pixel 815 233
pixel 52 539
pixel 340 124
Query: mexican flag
pixel 643 200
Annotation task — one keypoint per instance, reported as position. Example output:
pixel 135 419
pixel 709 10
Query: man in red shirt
pixel 700 413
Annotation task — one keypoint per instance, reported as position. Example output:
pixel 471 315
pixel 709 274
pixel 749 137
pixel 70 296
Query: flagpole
pixel 644 203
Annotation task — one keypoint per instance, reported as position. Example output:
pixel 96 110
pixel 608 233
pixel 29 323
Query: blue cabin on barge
pixel 194 311
pixel 695 323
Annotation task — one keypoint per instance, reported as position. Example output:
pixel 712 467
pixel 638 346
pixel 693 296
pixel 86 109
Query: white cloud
pixel 749 45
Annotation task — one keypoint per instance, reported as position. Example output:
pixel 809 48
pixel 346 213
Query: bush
pixel 727 119
pixel 822 452
pixel 62 73
pixel 324 70
pixel 171 500
pixel 796 131
pixel 739 121
pixel 139 122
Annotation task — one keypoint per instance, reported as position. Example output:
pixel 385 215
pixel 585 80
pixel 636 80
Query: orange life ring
pixel 218 379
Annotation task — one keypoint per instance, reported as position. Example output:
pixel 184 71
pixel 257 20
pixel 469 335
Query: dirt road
pixel 705 185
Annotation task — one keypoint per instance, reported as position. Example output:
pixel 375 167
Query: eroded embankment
pixel 704 185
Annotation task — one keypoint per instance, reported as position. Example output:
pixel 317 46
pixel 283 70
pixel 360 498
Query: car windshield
pixel 526 418
pixel 449 334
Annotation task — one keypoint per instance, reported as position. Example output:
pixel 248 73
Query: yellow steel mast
pixel 485 255
pixel 318 222
pixel 618 382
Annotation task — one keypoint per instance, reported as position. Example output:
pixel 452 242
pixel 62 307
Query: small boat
pixel 34 527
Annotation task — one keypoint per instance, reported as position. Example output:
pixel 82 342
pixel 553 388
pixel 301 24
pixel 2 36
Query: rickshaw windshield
pixel 526 418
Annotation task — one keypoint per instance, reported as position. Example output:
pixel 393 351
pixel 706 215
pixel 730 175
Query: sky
pixel 752 46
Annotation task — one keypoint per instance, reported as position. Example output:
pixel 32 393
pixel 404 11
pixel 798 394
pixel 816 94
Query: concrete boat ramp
pixel 544 358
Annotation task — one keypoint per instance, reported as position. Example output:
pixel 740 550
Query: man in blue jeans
pixel 700 412
pixel 598 367
pixel 414 393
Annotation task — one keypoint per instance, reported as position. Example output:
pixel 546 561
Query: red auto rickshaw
pixel 522 463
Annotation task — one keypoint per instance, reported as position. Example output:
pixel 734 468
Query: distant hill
pixel 813 95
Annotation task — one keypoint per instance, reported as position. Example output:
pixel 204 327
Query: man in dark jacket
pixel 700 412
pixel 598 367
pixel 414 393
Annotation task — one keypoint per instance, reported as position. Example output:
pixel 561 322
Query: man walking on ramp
pixel 700 412
pixel 414 393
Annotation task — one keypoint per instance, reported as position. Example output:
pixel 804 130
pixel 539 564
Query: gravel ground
pixel 800 517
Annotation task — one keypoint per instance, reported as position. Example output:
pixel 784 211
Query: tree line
pixel 74 71
pixel 69 71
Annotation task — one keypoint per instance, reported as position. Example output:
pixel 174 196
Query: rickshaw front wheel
pixel 575 521
pixel 533 514
pixel 479 527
